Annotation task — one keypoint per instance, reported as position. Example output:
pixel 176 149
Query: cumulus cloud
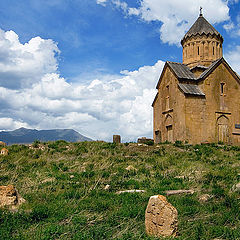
pixel 175 17
pixel 38 97
pixel 229 26
pixel 21 65
pixel 9 123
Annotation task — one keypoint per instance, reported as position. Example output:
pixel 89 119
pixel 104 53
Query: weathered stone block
pixel 116 139
pixel 9 196
pixel 161 217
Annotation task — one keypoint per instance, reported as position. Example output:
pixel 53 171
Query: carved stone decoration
pixel 161 217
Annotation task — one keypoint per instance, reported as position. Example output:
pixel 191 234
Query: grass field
pixel 63 185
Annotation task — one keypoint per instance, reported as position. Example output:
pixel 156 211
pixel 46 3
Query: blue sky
pixel 93 65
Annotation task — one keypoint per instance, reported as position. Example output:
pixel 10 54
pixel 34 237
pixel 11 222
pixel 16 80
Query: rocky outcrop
pixel 161 218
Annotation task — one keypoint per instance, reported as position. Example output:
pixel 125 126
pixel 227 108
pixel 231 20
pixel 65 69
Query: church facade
pixel 198 100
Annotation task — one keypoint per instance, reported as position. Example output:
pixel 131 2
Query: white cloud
pixel 102 2
pixel 176 16
pixel 24 64
pixel 11 124
pixel 121 5
pixel 229 26
pixel 233 28
pixel 233 57
pixel 99 108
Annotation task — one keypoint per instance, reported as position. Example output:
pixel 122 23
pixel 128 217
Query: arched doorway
pixel 169 127
pixel 223 129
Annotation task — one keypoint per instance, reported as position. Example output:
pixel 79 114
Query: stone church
pixel 198 101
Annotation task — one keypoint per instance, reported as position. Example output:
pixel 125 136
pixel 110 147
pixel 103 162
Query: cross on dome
pixel 201 11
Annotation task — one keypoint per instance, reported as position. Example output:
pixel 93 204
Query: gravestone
pixel 116 139
pixel 161 217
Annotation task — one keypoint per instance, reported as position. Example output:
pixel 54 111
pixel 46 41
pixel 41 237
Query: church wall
pixel 195 117
pixel 179 115
pixel 169 109
pixel 156 118
pixel 221 104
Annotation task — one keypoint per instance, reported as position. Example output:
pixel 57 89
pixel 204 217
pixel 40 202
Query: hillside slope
pixel 64 187
pixel 24 135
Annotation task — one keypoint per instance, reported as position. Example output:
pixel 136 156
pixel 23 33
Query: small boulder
pixel 107 187
pixel 131 168
pixel 47 180
pixel 4 151
pixel 180 177
pixel 236 187
pixel 161 218
pixel 9 197
pixel 204 198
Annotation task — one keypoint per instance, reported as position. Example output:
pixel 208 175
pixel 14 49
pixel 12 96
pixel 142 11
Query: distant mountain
pixel 24 135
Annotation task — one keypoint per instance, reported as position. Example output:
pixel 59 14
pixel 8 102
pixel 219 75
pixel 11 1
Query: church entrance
pixel 223 129
pixel 169 127
pixel 169 133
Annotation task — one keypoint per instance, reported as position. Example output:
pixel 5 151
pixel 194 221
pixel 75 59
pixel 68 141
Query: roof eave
pixel 155 99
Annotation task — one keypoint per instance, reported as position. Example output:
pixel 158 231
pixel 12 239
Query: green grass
pixel 74 205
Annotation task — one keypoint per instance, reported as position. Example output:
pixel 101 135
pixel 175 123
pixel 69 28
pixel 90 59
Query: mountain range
pixel 25 136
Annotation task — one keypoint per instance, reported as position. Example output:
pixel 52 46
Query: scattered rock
pixel 236 187
pixel 52 179
pixel 71 176
pixel 175 192
pixel 180 177
pixel 204 198
pixel 107 187
pixel 131 191
pixel 131 168
pixel 161 217
pixel 10 197
pixel 37 146
pixel 142 144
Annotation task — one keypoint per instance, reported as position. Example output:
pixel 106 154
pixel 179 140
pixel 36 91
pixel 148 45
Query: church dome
pixel 202 44
pixel 202 27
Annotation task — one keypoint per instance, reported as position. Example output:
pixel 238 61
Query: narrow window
pixel 222 88
pixel 167 89
pixel 167 98
pixel 198 50
pixel 213 50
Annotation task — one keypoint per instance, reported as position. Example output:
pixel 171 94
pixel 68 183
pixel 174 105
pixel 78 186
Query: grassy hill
pixel 63 184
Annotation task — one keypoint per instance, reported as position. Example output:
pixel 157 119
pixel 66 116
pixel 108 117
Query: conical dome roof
pixel 201 26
